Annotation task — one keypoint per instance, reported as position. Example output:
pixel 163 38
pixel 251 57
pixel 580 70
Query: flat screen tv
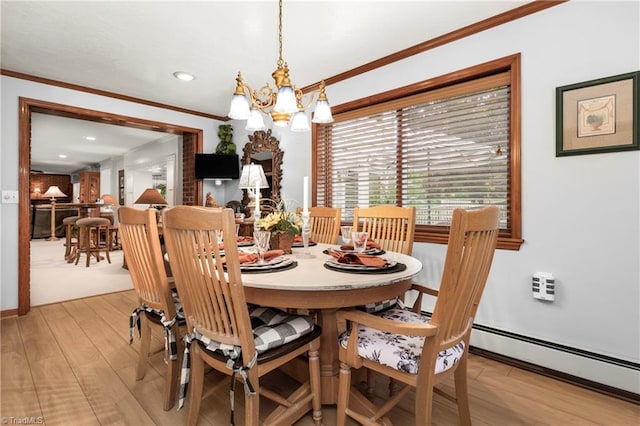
pixel 217 166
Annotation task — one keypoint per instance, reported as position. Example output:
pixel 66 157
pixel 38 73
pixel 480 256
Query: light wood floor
pixel 71 363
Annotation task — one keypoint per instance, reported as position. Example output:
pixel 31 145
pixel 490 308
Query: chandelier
pixel 286 106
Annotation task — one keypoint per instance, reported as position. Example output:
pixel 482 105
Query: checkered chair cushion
pixel 170 339
pixel 372 308
pixel 271 328
pixel 396 350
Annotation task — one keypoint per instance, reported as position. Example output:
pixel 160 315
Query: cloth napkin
pixel 241 239
pixel 370 245
pixel 358 259
pixel 248 258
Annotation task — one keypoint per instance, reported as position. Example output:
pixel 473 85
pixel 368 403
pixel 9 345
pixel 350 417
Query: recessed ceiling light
pixel 184 76
pixel 90 138
pixel 62 156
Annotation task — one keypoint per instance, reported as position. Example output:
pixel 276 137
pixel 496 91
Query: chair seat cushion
pixel 372 308
pixel 399 351
pixel 271 328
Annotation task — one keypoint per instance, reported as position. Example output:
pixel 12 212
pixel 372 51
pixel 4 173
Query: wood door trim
pixel 26 108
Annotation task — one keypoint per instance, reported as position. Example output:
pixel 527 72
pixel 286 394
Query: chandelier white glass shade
pixel 285 105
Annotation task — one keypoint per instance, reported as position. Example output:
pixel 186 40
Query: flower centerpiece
pixel 283 225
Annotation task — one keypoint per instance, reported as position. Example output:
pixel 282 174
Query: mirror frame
pixel 262 141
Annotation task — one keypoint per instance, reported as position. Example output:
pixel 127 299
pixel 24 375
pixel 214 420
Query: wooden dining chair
pixel 158 307
pixel 237 339
pixel 417 350
pixel 392 227
pixel 325 223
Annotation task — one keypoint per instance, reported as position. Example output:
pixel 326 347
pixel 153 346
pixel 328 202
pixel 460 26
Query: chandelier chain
pixel 280 60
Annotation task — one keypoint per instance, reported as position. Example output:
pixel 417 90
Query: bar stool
pixel 93 238
pixel 70 241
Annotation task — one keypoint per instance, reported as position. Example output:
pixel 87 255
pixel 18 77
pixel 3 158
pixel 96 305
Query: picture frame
pixel 121 187
pixel 598 116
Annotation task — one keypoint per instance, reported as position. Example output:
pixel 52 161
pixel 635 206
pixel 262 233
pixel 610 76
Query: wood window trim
pixel 511 64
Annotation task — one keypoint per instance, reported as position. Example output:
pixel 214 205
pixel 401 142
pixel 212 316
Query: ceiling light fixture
pixel 286 106
pixel 90 138
pixel 184 76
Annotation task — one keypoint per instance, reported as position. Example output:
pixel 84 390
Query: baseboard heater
pixel 559 375
pixel 632 367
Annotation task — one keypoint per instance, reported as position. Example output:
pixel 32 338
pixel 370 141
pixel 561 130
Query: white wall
pixel 580 214
pixel 11 90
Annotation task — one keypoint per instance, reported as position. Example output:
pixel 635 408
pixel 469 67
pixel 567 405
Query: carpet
pixel 54 280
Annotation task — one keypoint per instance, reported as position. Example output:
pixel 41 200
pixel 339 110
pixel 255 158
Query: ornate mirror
pixel 264 149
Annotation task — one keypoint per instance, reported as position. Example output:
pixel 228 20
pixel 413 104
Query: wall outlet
pixel 544 286
pixel 9 197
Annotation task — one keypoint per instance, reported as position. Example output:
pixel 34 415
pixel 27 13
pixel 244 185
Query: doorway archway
pixel 191 188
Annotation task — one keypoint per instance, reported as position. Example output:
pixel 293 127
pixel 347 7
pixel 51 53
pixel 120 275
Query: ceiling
pixel 132 48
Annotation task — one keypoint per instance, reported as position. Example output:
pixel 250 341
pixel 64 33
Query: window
pixel 452 144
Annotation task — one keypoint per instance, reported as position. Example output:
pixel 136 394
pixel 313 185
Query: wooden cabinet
pixel 89 187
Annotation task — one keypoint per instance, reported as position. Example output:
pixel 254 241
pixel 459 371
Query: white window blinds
pixel 437 151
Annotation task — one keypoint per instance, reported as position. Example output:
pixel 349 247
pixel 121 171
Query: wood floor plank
pixel 118 352
pixel 17 389
pixel 104 391
pixel 61 397
pixel 36 337
pixel 71 363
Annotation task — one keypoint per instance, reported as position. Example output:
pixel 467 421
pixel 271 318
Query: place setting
pixel 363 256
pixel 260 259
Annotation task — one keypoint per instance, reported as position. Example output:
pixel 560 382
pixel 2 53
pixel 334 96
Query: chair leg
pixel 196 382
pixel 171 383
pixel 252 402
pixel 145 344
pixel 173 376
pixel 314 382
pixel 344 389
pixel 423 405
pixel 462 394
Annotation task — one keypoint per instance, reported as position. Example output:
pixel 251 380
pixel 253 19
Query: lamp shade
pixel 150 196
pixel 109 199
pixel 54 192
pixel 252 174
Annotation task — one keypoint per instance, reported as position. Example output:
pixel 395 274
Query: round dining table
pixel 310 285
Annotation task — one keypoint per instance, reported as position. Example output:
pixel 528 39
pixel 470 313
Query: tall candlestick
pixel 257 199
pixel 305 194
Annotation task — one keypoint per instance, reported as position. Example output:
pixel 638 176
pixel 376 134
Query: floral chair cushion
pixel 399 351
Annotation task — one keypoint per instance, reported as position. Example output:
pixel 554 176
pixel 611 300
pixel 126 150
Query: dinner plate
pixel 245 243
pixel 268 264
pixel 301 244
pixel 362 269
pixel 355 266
pixel 282 264
pixel 372 251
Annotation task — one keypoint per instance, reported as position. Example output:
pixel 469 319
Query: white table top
pixel 311 275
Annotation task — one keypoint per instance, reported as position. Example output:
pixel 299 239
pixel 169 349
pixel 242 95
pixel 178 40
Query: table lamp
pixel 251 179
pixel 150 196
pixel 53 192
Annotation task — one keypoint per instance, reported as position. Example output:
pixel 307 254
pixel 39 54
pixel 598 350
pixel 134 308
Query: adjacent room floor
pixel 54 280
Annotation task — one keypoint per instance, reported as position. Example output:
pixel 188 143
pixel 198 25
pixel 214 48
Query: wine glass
pixel 261 240
pixel 345 231
pixel 359 241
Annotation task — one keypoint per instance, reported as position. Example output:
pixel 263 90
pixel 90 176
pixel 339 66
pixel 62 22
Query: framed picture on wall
pixel 598 116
